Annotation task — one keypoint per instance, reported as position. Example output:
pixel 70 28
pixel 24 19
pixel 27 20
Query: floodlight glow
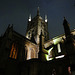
pixel 30 19
pixel 49 55
pixel 50 50
pixel 49 59
pixel 59 56
pixel 57 40
pixel 59 49
pixel 46 20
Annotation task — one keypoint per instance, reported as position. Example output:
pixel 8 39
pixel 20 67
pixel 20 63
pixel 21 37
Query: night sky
pixel 16 12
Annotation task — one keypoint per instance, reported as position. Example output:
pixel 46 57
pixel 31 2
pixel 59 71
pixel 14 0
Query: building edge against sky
pixel 36 25
pixel 37 46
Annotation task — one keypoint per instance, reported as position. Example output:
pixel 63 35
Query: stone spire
pixel 45 18
pixel 66 28
pixel 30 17
pixel 38 12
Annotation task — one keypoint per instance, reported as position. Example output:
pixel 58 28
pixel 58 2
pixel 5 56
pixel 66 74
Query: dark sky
pixel 16 12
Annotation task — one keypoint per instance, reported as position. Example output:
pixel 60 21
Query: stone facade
pixel 35 54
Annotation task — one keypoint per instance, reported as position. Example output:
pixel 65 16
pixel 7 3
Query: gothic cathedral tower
pixel 35 26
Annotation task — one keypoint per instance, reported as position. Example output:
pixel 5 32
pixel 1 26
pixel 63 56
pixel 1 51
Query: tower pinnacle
pixel 38 12
pixel 30 17
pixel 45 18
pixel 66 28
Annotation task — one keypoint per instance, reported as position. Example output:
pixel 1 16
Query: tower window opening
pixel 32 31
pixel 45 34
pixel 29 34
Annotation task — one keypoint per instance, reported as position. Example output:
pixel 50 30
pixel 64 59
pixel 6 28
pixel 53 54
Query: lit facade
pixel 35 54
pixel 35 26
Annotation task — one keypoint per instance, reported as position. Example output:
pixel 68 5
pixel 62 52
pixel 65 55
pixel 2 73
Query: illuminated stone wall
pixel 58 46
pixel 35 26
pixel 31 49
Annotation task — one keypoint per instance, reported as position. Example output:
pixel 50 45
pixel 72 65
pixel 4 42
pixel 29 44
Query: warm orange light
pixel 13 52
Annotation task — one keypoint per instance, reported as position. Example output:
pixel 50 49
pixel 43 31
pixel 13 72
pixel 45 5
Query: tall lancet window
pixel 13 52
pixel 32 53
pixel 58 47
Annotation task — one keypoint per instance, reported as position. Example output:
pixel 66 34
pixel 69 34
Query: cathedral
pixel 35 53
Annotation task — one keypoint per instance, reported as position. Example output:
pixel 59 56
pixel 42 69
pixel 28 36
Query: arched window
pixel 32 53
pixel 13 52
pixel 26 52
